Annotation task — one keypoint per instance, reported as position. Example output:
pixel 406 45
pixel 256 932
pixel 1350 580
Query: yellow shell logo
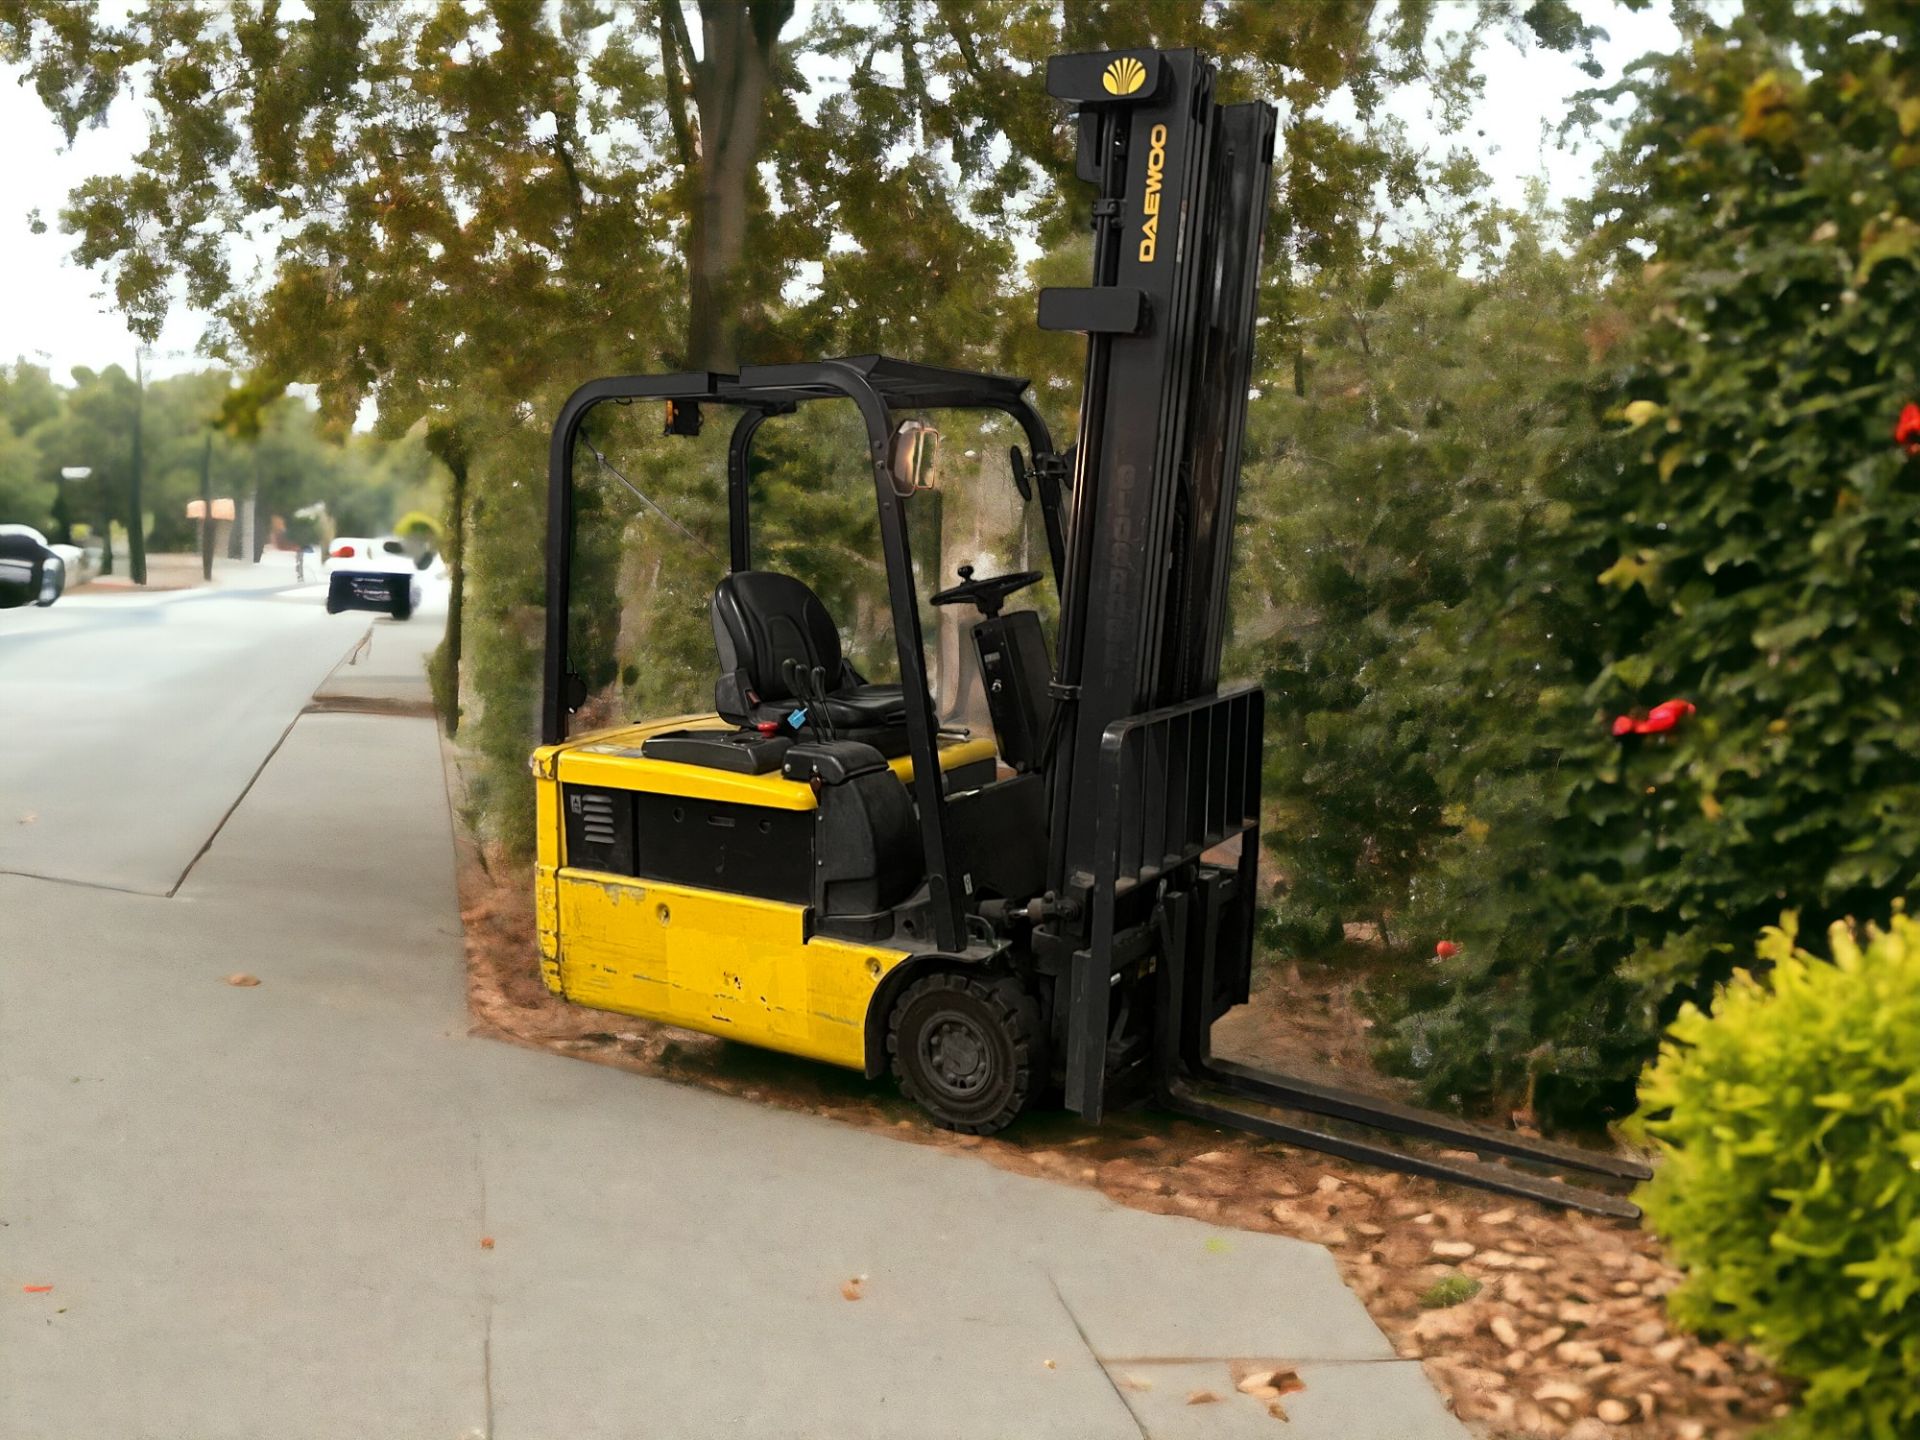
pixel 1124 76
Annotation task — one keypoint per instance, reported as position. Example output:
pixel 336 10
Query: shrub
pixel 445 686
pixel 1790 1187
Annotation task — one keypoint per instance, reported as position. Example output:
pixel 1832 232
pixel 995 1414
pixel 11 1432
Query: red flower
pixel 1906 430
pixel 1662 718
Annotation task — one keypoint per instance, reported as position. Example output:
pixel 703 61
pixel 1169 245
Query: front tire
pixel 403 606
pixel 968 1049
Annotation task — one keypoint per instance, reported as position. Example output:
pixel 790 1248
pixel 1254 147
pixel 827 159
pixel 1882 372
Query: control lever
pixel 820 700
pixel 792 671
pixel 809 687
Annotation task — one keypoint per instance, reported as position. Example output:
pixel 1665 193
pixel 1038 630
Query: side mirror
pixel 913 456
pixel 23 564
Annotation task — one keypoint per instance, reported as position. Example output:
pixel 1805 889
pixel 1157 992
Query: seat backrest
pixel 761 620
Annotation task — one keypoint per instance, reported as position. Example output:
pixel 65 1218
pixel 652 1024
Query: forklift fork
pixel 1180 782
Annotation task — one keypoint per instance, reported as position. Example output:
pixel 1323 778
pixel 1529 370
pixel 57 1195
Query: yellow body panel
pixel 723 964
pixel 706 960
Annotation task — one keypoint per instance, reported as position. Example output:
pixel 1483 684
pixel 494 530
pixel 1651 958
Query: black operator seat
pixel 762 621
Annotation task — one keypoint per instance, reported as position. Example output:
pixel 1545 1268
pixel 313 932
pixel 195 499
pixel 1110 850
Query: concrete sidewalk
pixel 261 1210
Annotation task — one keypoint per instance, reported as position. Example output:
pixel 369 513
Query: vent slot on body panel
pixel 599 828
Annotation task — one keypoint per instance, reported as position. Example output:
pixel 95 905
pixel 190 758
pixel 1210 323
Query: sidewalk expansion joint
pixel 88 884
pixel 486 1338
pixel 1105 1374
pixel 238 800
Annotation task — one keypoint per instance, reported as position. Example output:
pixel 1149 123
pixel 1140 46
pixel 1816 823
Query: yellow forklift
pixel 1061 909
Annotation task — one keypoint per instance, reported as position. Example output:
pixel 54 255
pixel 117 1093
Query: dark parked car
pixel 31 571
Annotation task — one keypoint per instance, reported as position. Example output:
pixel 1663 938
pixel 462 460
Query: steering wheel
pixel 988 595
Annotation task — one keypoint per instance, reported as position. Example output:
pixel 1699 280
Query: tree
pixel 472 212
pixel 1391 493
pixel 28 492
pixel 718 145
pixel 94 430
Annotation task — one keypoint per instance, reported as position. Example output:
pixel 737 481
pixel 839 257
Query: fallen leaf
pixel 243 979
pixel 486 1242
pixel 1135 1382
pixel 28 818
pixel 1218 1244
pixel 850 1290
pixel 1202 1397
pixel 1564 1391
pixel 36 1289
pixel 1278 1411
pixel 1051 1365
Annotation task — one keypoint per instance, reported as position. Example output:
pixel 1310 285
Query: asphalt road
pixel 131 724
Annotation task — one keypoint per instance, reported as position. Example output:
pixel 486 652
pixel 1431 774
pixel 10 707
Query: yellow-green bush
pixel 1789 1191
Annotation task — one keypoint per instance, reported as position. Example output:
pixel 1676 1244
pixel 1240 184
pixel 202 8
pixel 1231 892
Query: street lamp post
pixel 82 472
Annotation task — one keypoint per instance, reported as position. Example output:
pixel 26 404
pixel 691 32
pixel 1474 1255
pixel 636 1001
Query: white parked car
pixel 52 562
pixel 372 573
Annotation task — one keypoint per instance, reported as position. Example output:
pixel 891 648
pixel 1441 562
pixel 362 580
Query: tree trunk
pixel 730 83
pixel 449 446
pixel 456 544
pixel 206 510
pixel 136 527
pixel 106 528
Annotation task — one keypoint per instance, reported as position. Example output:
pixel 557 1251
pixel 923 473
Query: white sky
pixel 56 313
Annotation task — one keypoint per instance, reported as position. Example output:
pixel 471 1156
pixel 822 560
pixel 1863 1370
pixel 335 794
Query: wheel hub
pixel 957 1054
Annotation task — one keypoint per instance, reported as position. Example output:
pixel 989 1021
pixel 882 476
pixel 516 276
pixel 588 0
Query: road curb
pixel 380 688
pixel 368 705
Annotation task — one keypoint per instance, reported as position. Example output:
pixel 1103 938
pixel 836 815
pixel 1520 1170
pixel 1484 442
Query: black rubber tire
pixel 983 1025
pixel 403 607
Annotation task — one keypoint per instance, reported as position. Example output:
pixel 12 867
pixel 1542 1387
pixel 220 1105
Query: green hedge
pixel 1746 535
pixel 1789 1191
